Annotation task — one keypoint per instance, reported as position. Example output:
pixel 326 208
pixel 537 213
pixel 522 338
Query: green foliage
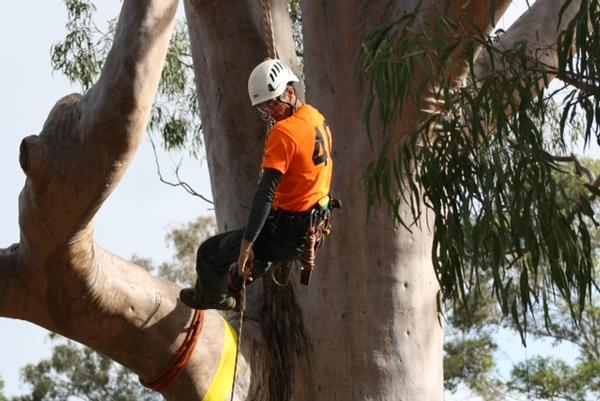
pixel 2 397
pixel 552 379
pixel 185 240
pixel 469 357
pixel 80 57
pixel 470 361
pixel 484 162
pixel 469 346
pixel 581 68
pixel 178 116
pixel 478 318
pixel 296 17
pixel 74 372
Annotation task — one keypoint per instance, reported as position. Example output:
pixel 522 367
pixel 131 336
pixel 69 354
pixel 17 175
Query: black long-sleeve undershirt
pixel 262 202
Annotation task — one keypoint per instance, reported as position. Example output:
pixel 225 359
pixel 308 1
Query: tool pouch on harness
pixel 320 225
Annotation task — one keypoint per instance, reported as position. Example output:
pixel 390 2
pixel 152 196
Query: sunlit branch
pixel 8 278
pixel 579 83
pixel 580 167
pixel 539 27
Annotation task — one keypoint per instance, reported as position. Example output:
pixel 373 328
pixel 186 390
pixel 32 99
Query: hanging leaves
pixel 483 163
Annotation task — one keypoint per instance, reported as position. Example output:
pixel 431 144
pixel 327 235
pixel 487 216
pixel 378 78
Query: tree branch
pixel 188 188
pixel 581 169
pixel 87 142
pixel 581 84
pixel 539 28
pixel 11 290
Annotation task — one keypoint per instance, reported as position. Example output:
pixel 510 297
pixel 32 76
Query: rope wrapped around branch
pixel 184 353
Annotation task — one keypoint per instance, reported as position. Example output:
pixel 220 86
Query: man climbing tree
pixel 296 178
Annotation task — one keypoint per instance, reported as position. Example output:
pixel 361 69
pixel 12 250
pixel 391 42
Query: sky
pixel 136 217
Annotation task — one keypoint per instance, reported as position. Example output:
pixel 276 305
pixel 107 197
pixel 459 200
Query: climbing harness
pixel 315 225
pixel 184 353
pixel 281 273
pixel 320 226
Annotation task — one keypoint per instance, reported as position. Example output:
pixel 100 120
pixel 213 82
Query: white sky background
pixel 136 217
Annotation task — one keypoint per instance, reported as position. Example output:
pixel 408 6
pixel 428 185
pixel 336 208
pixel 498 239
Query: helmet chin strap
pixel 292 109
pixel 291 106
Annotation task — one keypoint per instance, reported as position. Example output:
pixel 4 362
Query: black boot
pixel 222 302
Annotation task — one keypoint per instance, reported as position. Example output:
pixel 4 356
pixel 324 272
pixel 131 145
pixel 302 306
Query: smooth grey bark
pixel 372 306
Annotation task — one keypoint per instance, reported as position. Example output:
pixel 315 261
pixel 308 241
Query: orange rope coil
pixel 184 353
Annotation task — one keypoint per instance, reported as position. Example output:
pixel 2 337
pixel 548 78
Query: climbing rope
pixel 241 326
pixel 184 353
pixel 267 19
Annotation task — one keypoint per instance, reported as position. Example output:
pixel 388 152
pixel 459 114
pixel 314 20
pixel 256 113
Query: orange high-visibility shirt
pixel 300 148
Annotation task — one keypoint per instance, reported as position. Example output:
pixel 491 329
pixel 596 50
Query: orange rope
pixel 184 353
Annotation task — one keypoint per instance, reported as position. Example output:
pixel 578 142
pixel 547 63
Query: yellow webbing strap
pixel 220 387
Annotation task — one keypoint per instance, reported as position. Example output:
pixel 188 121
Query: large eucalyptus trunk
pixel 370 314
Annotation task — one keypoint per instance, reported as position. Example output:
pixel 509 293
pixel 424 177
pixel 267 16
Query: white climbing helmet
pixel 268 80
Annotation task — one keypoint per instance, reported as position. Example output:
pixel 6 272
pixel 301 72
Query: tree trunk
pixel 371 307
pixel 370 312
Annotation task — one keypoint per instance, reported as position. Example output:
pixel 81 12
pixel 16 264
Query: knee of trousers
pixel 215 279
pixel 204 255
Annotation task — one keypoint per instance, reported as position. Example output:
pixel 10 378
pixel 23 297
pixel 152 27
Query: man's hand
pixel 245 260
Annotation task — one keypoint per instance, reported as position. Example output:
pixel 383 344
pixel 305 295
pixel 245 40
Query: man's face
pixel 279 108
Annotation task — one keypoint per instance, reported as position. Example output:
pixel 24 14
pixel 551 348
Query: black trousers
pixel 282 239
